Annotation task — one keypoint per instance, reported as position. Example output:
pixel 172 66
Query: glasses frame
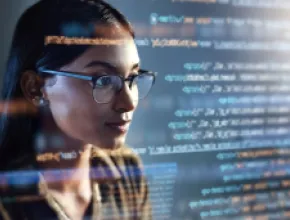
pixel 93 79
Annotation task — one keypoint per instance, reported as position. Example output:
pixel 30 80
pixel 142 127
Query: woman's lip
pixel 120 126
pixel 118 123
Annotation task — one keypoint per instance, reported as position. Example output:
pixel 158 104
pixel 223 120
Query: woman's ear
pixel 31 86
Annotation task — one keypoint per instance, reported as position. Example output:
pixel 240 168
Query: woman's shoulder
pixel 20 194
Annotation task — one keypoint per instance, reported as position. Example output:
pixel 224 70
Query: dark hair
pixel 69 18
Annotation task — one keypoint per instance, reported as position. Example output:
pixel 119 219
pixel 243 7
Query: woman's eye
pixel 104 81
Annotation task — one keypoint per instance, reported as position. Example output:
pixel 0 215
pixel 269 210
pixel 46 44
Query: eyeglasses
pixel 105 87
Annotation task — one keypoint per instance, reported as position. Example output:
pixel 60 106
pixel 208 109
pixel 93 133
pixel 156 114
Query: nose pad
pixel 130 83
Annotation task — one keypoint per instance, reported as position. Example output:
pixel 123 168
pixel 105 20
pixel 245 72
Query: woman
pixel 72 83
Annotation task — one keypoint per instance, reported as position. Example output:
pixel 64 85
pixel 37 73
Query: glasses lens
pixel 105 87
pixel 143 84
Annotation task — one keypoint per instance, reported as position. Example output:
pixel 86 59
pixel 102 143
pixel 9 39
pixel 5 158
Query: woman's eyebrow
pixel 101 63
pixel 109 65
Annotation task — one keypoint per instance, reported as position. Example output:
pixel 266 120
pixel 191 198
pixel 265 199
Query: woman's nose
pixel 124 101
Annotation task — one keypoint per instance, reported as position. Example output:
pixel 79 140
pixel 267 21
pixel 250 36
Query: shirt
pixel 119 191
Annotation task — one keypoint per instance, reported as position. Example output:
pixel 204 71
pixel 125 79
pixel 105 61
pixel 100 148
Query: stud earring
pixel 39 101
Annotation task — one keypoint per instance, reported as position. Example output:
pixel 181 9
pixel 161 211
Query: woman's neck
pixel 64 162
pixel 69 174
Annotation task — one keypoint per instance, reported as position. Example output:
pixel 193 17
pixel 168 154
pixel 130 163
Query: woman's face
pixel 73 107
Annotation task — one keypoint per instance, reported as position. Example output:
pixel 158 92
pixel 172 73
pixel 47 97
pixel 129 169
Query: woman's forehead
pixel 122 57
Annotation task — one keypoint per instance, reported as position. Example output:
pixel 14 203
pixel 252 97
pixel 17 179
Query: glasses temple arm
pixel 69 74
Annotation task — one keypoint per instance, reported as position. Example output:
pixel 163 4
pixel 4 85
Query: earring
pixel 39 101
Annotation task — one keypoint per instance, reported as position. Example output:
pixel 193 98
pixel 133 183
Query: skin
pixel 73 107
pixel 80 121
